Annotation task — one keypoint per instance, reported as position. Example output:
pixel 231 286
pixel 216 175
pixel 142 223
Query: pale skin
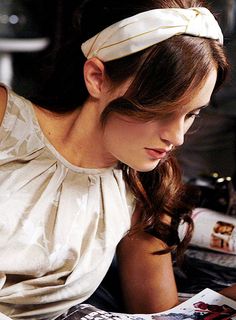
pixel 147 280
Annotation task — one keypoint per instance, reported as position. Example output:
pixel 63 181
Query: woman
pixel 90 166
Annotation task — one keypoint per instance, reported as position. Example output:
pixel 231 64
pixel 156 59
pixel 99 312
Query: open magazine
pixel 213 230
pixel 207 305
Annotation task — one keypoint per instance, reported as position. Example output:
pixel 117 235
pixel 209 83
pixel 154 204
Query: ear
pixel 94 76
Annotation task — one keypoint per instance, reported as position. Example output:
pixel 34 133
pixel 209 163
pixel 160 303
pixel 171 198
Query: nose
pixel 173 132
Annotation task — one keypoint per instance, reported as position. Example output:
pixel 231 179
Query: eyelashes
pixel 193 115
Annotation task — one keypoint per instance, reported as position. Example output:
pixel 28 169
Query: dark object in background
pixel 196 274
pixel 51 19
pixel 215 192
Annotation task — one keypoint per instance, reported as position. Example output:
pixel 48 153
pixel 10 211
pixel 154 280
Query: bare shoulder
pixel 3 102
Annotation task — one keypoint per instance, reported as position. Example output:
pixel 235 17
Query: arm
pixel 147 280
pixel 229 292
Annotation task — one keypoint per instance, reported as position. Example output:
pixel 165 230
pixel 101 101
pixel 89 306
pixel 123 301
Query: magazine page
pixel 207 305
pixel 213 230
pixel 4 317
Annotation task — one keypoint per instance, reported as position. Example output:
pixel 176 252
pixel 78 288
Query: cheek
pixel 188 124
pixel 121 128
pixel 119 134
pixel 123 134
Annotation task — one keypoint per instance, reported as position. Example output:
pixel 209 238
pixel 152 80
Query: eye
pixel 193 115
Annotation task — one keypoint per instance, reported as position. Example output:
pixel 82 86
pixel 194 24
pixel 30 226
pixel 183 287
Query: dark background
pixel 42 18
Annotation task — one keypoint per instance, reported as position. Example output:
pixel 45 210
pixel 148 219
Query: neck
pixel 77 136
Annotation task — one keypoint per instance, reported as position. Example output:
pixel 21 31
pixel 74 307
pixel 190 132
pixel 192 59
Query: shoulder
pixel 18 125
pixel 15 109
pixel 3 102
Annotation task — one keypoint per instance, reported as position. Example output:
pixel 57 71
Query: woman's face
pixel 141 145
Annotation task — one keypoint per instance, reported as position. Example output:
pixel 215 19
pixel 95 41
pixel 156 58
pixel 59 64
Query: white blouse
pixel 59 224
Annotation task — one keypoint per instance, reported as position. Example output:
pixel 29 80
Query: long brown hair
pixel 163 76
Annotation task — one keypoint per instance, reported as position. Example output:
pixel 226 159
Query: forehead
pixel 202 94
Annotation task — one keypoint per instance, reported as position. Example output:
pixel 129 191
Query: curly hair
pixel 163 76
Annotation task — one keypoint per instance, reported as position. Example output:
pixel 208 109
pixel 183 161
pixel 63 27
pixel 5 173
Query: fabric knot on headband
pixel 145 29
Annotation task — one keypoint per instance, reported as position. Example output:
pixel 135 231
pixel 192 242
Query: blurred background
pixel 30 29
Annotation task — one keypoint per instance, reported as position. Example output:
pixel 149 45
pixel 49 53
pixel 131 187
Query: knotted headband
pixel 148 28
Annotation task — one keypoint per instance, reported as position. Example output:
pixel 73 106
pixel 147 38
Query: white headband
pixel 148 28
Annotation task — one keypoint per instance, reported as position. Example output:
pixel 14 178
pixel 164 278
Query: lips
pixel 156 153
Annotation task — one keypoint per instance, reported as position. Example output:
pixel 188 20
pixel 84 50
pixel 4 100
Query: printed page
pixel 213 230
pixel 4 317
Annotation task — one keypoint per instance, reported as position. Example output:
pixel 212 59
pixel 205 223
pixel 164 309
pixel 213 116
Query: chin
pixel 145 167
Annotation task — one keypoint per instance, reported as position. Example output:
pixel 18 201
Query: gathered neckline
pixel 39 132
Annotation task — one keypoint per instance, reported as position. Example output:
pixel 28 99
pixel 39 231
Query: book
pixel 207 305
pixel 213 230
